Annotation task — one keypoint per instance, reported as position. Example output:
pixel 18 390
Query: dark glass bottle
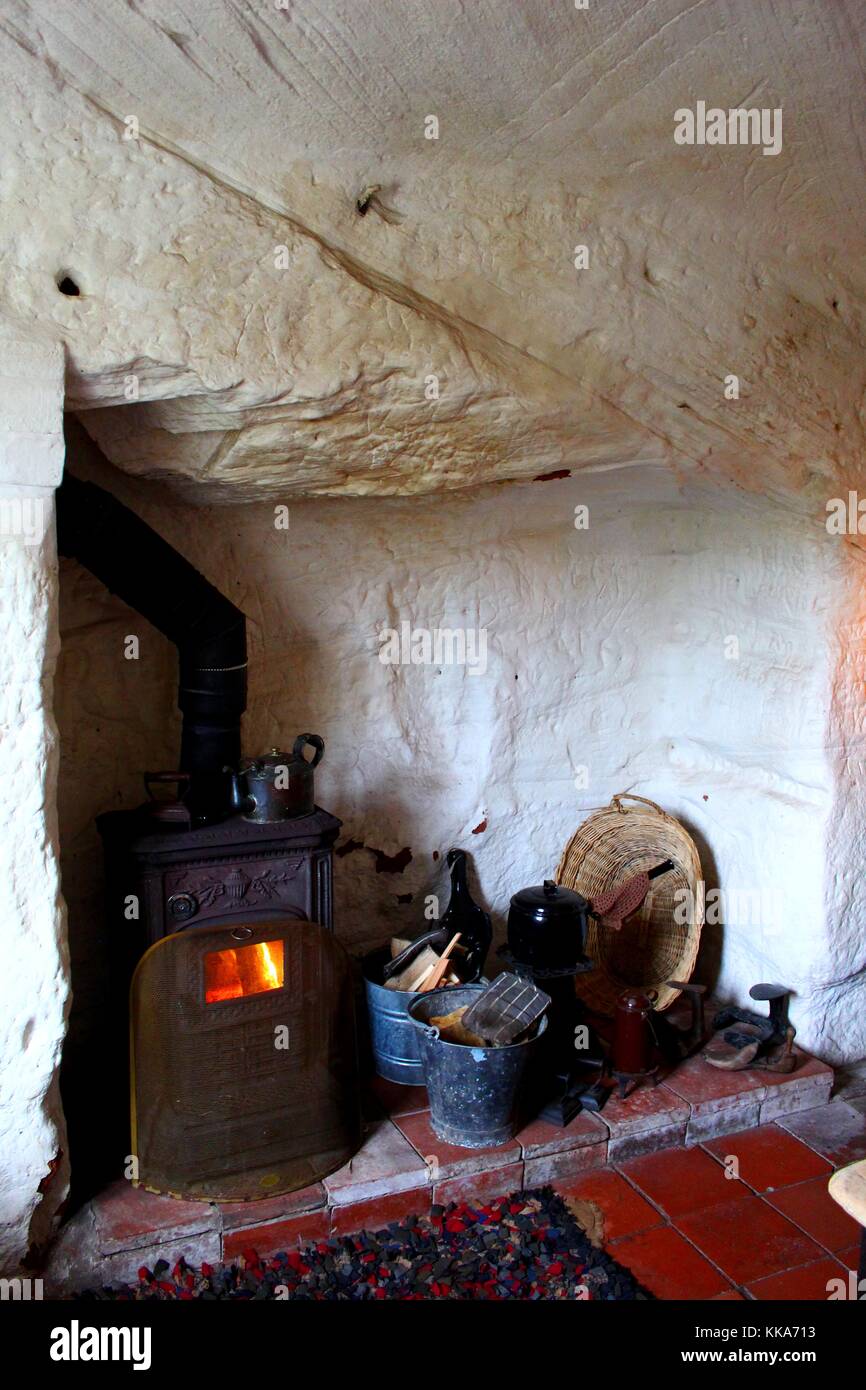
pixel 463 915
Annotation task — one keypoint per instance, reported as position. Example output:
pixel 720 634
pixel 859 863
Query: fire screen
pixel 244 1060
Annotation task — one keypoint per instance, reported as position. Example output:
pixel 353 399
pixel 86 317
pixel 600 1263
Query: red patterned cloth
pixel 613 907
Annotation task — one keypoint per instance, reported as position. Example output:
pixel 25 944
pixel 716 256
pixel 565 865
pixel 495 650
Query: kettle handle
pixel 315 742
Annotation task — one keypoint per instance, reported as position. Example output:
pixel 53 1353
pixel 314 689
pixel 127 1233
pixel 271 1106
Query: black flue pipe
pixel 137 565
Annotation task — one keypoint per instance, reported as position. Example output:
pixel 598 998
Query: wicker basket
pixel 652 946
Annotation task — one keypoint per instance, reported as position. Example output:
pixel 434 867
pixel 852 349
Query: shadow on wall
pixel 116 716
pixel 709 963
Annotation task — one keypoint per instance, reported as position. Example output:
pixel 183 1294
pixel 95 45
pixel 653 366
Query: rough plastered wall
pixel 196 169
pixel 33 980
pixel 839 1003
pixel 682 647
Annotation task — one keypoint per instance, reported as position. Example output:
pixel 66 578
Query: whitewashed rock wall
pixel 281 346
pixel 839 1001
pixel 33 977
pixel 683 647
pixel 163 155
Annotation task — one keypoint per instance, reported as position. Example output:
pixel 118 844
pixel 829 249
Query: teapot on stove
pixel 277 786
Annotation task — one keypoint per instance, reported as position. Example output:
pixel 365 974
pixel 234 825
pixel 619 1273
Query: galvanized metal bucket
pixel 393 1035
pixel 474 1092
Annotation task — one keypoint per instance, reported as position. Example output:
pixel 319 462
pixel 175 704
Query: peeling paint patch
pixel 391 863
pixel 348 848
pixel 385 863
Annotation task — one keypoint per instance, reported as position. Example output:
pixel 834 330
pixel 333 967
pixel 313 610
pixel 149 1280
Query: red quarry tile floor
pixel 669 1265
pixel 624 1211
pixel 810 1206
pixel 809 1282
pixel 767 1157
pixel 773 1234
pixel 749 1239
pixel 681 1181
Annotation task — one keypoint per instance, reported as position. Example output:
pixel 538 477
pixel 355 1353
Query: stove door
pixel 244 1060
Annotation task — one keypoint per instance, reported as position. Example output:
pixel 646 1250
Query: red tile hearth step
pixel 445 1160
pixel 718 1101
pixel 127 1217
pixel 277 1235
pixel 236 1215
pixel 378 1212
pixel 386 1163
pixel 652 1117
pixel 652 1162
pixel 836 1131
pixel 390 1099
pixel 552 1155
pixel 278 1223
pixel 481 1187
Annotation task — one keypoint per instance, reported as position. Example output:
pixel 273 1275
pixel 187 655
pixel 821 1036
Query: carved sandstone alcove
pixel 432 394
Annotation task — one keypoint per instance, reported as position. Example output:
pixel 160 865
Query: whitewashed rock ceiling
pixel 260 124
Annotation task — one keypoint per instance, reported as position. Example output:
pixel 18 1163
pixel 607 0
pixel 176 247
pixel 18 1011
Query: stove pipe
pixel 209 632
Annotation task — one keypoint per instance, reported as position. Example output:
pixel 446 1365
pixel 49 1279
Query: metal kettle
pixel 277 786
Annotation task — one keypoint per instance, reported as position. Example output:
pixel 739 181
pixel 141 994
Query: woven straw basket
pixel 652 947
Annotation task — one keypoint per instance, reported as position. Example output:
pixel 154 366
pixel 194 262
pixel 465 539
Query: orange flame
pixel 243 970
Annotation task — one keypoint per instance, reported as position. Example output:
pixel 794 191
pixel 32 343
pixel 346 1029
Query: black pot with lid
pixel 547 927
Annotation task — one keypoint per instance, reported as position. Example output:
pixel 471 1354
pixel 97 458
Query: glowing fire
pixel 245 970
